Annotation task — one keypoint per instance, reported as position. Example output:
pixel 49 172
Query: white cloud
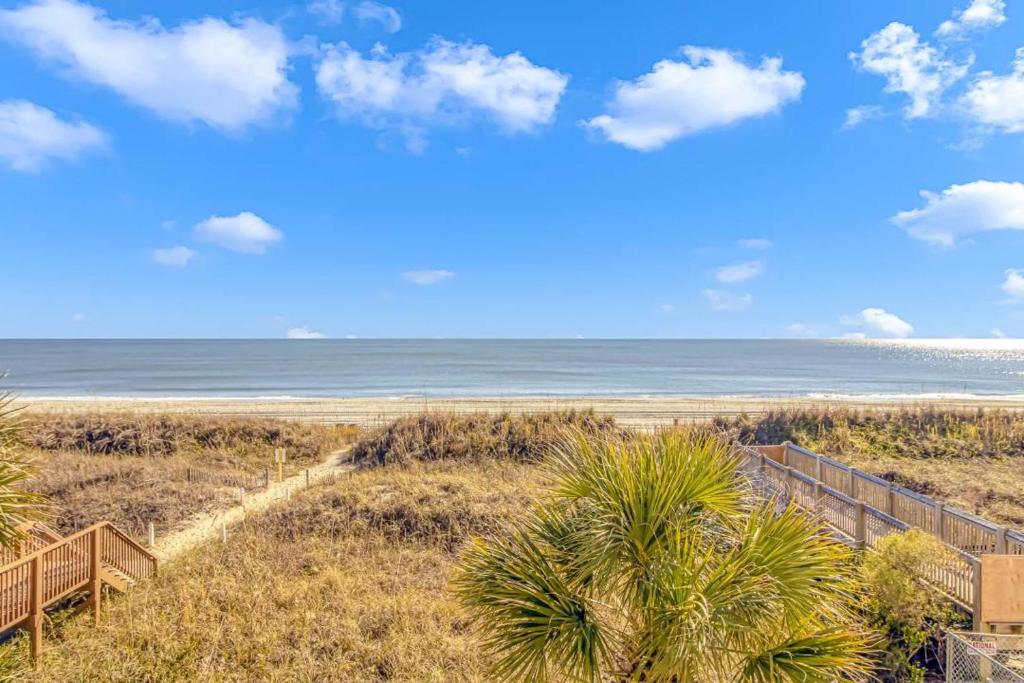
pixel 386 16
pixel 722 300
pixel 667 308
pixel 739 272
pixel 173 257
pixel 755 243
pixel 1013 285
pixel 245 233
pixel 858 115
pixel 997 102
pixel 228 75
pixel 303 333
pixel 329 11
pixel 31 135
pixel 909 66
pixel 79 317
pixel 445 83
pixel 707 89
pixel 801 330
pixel 980 206
pixel 980 14
pixel 998 333
pixel 880 321
pixel 854 335
pixel 427 277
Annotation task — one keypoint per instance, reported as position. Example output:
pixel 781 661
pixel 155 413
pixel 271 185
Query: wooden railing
pixel 69 565
pixel 854 519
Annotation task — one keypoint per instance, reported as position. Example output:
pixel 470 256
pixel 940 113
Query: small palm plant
pixel 17 506
pixel 652 561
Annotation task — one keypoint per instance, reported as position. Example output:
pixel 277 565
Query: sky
pixel 346 168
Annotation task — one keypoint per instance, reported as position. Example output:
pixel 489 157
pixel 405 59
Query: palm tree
pixel 652 560
pixel 17 506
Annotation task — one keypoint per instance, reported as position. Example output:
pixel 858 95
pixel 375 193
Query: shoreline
pixel 649 411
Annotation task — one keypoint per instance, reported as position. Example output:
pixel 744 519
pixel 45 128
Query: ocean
pixel 447 368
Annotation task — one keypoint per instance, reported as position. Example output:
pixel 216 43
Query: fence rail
pixel 854 518
pixel 32 583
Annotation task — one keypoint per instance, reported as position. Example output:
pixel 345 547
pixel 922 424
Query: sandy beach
pixel 635 411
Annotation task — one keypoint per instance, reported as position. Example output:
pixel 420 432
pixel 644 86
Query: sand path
pixel 207 527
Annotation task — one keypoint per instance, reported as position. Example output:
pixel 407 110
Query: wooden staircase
pixel 48 568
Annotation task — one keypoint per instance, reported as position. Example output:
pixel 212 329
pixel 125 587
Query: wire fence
pixel 984 658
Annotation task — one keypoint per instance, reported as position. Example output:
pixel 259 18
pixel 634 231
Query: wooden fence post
pixel 1001 540
pixel 95 586
pixel 36 618
pixel 785 453
pixel 937 518
pixel 976 595
pixel 817 467
pixel 188 475
pixel 266 478
pixel 890 499
pixel 223 532
pixel 152 535
pixel 307 477
pixel 787 494
pixel 860 533
pixel 851 483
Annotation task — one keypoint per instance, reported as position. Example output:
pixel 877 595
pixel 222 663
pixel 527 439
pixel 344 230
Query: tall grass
pixel 475 437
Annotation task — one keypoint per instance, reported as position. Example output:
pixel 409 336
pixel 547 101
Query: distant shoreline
pixel 629 410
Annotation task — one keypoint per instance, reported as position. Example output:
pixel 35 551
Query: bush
pixel 475 437
pixel 897 602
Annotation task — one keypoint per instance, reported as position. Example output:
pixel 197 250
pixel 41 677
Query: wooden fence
pixel 855 520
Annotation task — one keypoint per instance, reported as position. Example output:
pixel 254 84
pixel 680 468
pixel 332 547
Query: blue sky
pixel 529 169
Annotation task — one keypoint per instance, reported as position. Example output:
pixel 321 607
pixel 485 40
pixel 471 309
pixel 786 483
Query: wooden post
pixel 976 596
pixel 890 499
pixel 223 532
pixel 937 521
pixel 817 467
pixel 860 535
pixel 785 453
pixel 188 475
pixel 307 477
pixel 95 586
pixel 788 492
pixel 266 478
pixel 36 616
pixel 851 483
pixel 1001 540
pixel 152 535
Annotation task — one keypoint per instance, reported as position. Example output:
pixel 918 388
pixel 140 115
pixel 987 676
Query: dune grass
pixel 346 583
pixel 475 436
pixel 971 459
pixel 134 470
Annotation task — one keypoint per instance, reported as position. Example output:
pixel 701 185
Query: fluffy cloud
pixel 964 209
pixel 909 66
pixel 444 83
pixel 227 75
pixel 707 89
pixel 303 333
pixel 245 233
pixel 739 272
pixel 427 277
pixel 173 257
pixel 386 16
pixel 755 243
pixel 858 115
pixel 31 135
pixel 329 11
pixel 1013 285
pixel 722 300
pixel 880 321
pixel 997 102
pixel 980 14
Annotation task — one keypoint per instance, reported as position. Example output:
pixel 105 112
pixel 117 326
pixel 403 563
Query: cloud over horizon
pixel 245 233
pixel 226 75
pixel 707 88
pixel 959 210
pixel 427 276
pixel 880 321
pixel 32 136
